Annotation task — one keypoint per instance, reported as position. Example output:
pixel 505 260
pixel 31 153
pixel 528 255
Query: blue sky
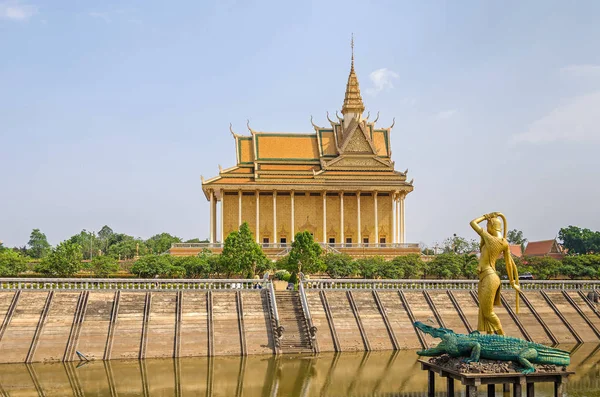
pixel 111 111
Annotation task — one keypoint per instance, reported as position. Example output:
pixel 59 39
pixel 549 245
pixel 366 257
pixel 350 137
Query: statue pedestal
pixel 473 380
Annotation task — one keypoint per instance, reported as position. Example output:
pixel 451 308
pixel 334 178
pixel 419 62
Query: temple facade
pixel 337 182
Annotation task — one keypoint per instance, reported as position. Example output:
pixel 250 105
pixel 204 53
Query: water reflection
pixel 346 374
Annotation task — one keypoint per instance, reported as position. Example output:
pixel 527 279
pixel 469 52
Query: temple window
pixel 283 241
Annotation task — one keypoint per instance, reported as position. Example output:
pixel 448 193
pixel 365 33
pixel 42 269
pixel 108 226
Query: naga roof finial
pixel 231 130
pixel 313 124
pixel 328 119
pixel 248 125
pixel 338 117
pixel 393 123
pixel 376 118
pixel 368 115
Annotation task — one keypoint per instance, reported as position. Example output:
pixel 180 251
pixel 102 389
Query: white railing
pixel 365 246
pixel 129 284
pixel 254 284
pixel 357 284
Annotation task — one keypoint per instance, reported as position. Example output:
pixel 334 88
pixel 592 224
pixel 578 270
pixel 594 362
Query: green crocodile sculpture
pixel 492 347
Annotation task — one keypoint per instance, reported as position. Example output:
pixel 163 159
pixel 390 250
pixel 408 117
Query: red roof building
pixel 549 248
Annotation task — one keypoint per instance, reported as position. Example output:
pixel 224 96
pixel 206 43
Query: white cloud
pixel 446 114
pixel 581 70
pixel 576 121
pixel 16 11
pixel 100 15
pixel 382 80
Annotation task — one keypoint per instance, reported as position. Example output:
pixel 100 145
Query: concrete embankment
pixel 42 321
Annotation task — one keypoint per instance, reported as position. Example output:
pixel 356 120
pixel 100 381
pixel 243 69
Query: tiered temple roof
pixel 351 151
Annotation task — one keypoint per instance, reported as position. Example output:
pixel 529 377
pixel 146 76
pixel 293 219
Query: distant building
pixel 516 250
pixel 549 248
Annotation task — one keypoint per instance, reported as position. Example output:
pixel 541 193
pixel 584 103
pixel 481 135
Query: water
pixel 346 374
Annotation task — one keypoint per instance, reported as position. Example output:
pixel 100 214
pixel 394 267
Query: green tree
pixel 127 247
pixel 12 263
pixel 196 240
pixel 242 255
pixel 469 263
pixel 580 267
pixel 103 266
pixel 38 244
pixel 522 266
pixel 447 265
pixel 410 266
pixel 542 268
pixel 460 245
pixel 370 267
pixel 196 266
pixel 87 241
pixel 104 237
pixel 154 265
pixel 515 237
pixel 428 251
pixel 305 255
pixel 63 261
pixel 161 243
pixel 339 265
pixel 579 241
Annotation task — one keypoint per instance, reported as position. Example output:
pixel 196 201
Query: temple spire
pixel 352 100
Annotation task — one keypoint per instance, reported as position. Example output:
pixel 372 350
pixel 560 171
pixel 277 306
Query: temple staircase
pixel 296 338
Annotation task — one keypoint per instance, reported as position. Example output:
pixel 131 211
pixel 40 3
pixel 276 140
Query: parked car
pixel 526 276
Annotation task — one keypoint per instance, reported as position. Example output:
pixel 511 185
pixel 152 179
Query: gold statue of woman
pixel 493 243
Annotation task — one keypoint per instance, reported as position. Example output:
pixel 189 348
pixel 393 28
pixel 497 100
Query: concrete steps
pixel 161 325
pixel 399 321
pixel 291 316
pixel 551 319
pixel 94 329
pixel 319 319
pixel 257 325
pixel 227 339
pixel 18 336
pixel 448 312
pixel 373 323
pixel 128 330
pixel 344 321
pixel 572 317
pixel 194 324
pixel 527 318
pixel 54 336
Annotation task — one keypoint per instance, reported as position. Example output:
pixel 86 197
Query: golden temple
pixel 337 182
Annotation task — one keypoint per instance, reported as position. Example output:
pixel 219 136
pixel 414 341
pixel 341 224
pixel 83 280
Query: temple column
pixel 376 216
pixel 257 231
pixel 222 217
pixel 358 229
pixel 402 230
pixel 324 217
pixel 212 217
pixel 342 218
pixel 292 239
pixel 393 216
pixel 239 208
pixel 274 217
pixel 397 218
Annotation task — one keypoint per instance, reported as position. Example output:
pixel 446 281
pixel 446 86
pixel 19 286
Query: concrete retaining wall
pixel 39 326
